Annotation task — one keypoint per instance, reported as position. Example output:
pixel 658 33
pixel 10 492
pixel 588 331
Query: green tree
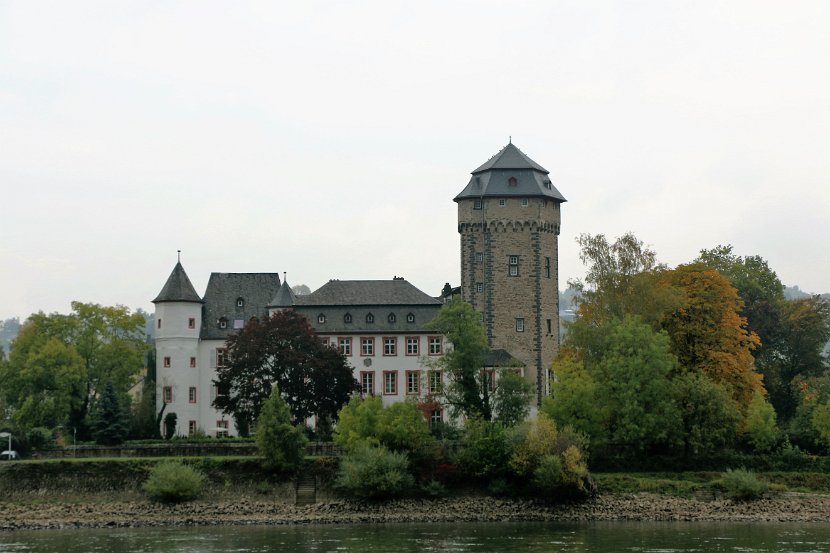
pixel 709 415
pixel 281 443
pixel 511 401
pixel 464 391
pixel 314 379
pixel 484 451
pixel 170 420
pixel 110 423
pixel 761 428
pixel 574 399
pixel 109 341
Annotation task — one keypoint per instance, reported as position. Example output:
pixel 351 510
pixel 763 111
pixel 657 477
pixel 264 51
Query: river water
pixel 394 538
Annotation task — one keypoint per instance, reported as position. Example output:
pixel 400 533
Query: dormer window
pixel 240 303
pixel 223 323
pixel 391 318
pixel 512 182
pixel 410 318
pixel 370 318
pixel 321 319
pixel 347 318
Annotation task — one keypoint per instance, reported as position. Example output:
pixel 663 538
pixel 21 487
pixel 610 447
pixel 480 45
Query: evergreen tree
pixel 280 442
pixel 111 424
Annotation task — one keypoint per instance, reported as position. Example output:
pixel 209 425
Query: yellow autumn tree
pixel 708 335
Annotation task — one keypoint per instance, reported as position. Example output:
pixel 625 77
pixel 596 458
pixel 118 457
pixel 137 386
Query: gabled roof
pixel 284 297
pixel 510 173
pixel 366 292
pixel 178 288
pixel 510 157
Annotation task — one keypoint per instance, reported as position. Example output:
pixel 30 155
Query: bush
pixel 434 488
pixel 485 450
pixel 742 484
pixel 173 482
pixel 38 438
pixel 374 473
pixel 280 442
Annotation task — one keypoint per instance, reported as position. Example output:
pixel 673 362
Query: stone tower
pixel 508 218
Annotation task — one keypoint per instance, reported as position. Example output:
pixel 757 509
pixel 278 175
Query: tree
pixel 280 442
pixel 170 420
pixel 464 391
pixel 283 349
pixel 761 429
pixel 709 415
pixel 100 344
pixel 574 399
pixel 110 424
pixel 511 402
pixel 708 335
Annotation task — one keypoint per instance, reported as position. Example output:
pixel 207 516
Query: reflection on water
pixel 394 538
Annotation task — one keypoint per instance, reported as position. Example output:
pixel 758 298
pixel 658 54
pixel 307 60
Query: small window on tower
pixel 479 257
pixel 240 302
pixel 524 202
pixel 502 202
pixel 191 322
pixel 520 325
pixel 513 265
pixel 512 181
pixel 223 323
pixel 477 204
pixel 479 287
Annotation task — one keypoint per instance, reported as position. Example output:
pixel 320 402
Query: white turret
pixel 178 322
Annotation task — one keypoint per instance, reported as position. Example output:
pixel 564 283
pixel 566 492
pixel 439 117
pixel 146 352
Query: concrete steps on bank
pixel 306 491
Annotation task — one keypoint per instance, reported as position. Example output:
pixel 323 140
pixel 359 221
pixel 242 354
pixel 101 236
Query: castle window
pixel 410 318
pixel 370 318
pixel 167 362
pixel 192 394
pixel 412 345
pixel 391 318
pixel 524 202
pixel 435 345
pixel 477 203
pixel 223 323
pixel 240 302
pixel 191 323
pixel 549 327
pixel 390 346
pixel 390 383
pixel 547 267
pixel 321 319
pixel 345 345
pixel 512 181
pixel 367 346
pixel 167 394
pixel 502 202
pixel 513 265
pixel 192 362
pixel 221 358
pixel 479 257
pixel 413 382
pixel 367 383
pixel 479 287
pixel 520 325
pixel 158 323
pixel 347 318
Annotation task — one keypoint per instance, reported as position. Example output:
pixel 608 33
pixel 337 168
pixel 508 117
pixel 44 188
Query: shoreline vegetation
pixel 106 494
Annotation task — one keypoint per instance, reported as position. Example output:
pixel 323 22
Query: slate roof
pixel 178 288
pixel 366 292
pixel 373 306
pixel 224 289
pixel 500 358
pixel 284 297
pixel 492 179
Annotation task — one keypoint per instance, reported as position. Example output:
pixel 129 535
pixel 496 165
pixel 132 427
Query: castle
pixel 508 219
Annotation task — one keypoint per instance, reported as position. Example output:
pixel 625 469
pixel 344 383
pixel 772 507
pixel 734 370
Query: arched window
pixel 512 182
pixel 410 318
pixel 347 318
pixel 391 318
pixel 370 318
pixel 240 303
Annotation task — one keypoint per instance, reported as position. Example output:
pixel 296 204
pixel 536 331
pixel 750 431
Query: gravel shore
pixel 782 507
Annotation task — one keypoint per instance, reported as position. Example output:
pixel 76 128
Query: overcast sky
pixel 327 139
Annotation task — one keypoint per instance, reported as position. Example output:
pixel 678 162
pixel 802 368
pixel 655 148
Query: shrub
pixel 173 482
pixel 484 450
pixel 742 484
pixel 434 488
pixel 374 473
pixel 170 420
pixel 38 438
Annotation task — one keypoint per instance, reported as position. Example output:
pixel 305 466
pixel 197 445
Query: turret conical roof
pixel 178 288
pixel 284 297
pixel 510 157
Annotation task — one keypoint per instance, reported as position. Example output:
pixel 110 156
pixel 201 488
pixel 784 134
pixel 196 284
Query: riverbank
pixel 778 507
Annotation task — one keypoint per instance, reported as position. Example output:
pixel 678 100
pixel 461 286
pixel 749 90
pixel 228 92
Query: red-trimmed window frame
pixel 167 362
pixel 347 342
pixel 417 380
pixel 433 419
pixel 167 394
pixel 363 389
pixel 394 340
pixel 435 389
pixel 191 395
pixel 394 382
pixel 192 362
pixel 417 346
pixel 430 343
pixel 367 341
pixel 191 323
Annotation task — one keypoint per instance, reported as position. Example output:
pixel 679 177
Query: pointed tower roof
pixel 510 173
pixel 510 157
pixel 284 297
pixel 178 288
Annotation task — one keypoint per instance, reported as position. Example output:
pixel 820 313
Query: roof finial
pixel 179 255
pixel 284 276
pixel 510 139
